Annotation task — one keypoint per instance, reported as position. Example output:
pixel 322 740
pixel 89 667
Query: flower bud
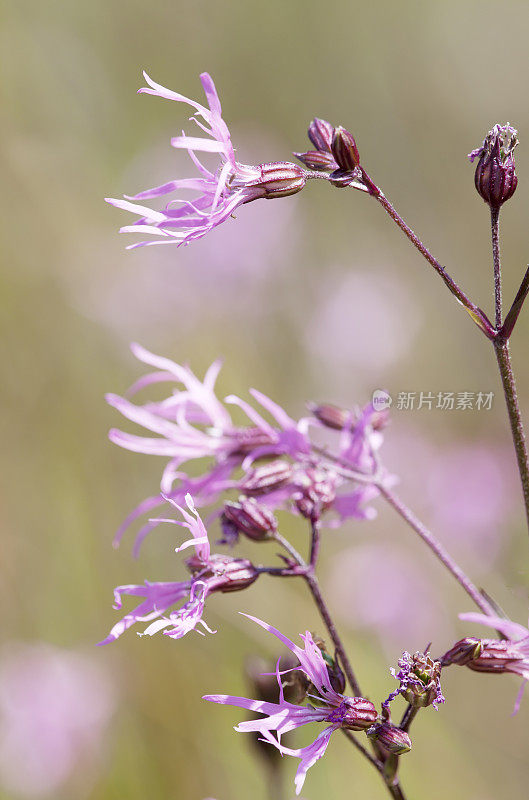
pixel 317 160
pixel 280 179
pixel 239 573
pixel 331 416
pixel 344 149
pixel 390 737
pixel 248 517
pixel 462 652
pixel 320 134
pixel 267 477
pixel 247 439
pixel 495 656
pixel 495 176
pixel 315 492
pixel 356 713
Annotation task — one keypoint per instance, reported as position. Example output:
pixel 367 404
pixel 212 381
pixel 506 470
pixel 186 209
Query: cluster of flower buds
pixel 336 153
pixel 390 738
pixel 249 518
pixel 495 175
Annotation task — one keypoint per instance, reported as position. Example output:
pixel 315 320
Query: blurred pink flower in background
pixel 464 489
pixel 377 584
pixel 226 278
pixel 365 320
pixel 470 488
pixel 54 708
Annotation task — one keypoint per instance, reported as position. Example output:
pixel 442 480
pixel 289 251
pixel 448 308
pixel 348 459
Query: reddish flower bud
pixel 247 439
pixel 267 477
pixel 320 134
pixel 248 517
pixel 239 574
pixel 317 160
pixel 356 713
pixel 316 492
pixel 331 416
pixel 462 652
pixel 390 737
pixel 344 149
pixel 495 175
pixel 280 179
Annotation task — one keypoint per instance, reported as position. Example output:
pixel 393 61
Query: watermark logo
pixel 429 401
pixel 381 400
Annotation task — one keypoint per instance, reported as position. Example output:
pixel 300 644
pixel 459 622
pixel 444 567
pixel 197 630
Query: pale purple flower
pixel 219 193
pixel 55 706
pixel 210 573
pixel 514 653
pixel 340 711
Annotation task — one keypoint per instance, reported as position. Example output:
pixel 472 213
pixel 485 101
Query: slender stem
pixel 501 348
pixel 408 717
pixel 291 550
pixel 515 418
pixel 374 761
pixel 436 548
pixel 315 543
pixel 495 229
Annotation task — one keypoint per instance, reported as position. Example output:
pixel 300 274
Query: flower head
pixel 191 423
pixel 340 711
pixel 419 678
pixel 220 192
pixel 209 573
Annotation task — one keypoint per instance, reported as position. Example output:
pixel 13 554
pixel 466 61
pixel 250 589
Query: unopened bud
pixel 267 477
pixel 356 713
pixel 390 737
pixel 495 175
pixel 316 492
pixel 344 149
pixel 496 656
pixel 239 573
pixel 331 416
pixel 245 440
pixel 248 517
pixel 320 134
pixel 462 652
pixel 317 160
pixel 280 179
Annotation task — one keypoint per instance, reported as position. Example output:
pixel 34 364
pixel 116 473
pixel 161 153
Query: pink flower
pixel 508 655
pixel 219 192
pixel 192 423
pixel 210 573
pixel 354 713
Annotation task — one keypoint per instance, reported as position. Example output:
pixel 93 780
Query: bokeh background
pixel 312 297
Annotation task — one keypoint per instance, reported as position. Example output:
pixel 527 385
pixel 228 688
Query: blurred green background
pixel 313 297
